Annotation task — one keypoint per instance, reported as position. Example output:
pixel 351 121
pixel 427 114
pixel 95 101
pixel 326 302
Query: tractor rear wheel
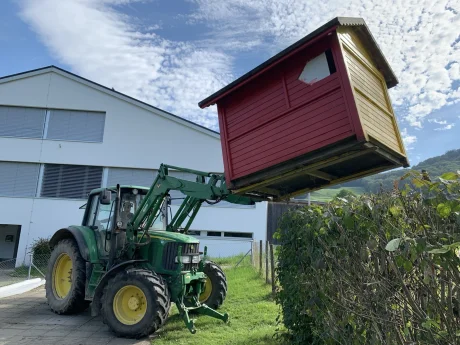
pixel 66 278
pixel 216 286
pixel 135 303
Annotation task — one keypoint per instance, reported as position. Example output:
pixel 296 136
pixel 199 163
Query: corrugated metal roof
pixel 362 30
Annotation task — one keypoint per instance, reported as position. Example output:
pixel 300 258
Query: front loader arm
pixel 208 187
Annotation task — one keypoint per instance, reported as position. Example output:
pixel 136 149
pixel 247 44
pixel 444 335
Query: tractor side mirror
pixel 105 197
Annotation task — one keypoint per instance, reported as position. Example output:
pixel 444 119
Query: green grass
pixel 252 315
pixel 329 193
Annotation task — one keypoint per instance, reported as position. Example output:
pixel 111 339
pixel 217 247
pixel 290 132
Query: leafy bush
pixel 375 269
pixel 41 246
pixel 345 194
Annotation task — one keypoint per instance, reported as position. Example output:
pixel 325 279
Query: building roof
pixel 359 26
pixel 111 92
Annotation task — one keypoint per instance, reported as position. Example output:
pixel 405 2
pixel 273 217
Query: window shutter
pixel 127 176
pixel 18 179
pixel 22 122
pixel 70 181
pixel 76 125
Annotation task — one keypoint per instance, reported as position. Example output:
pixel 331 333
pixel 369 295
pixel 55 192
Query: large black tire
pixel 74 300
pixel 156 295
pixel 218 282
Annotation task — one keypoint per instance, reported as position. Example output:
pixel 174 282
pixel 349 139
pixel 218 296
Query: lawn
pixel 250 306
pixel 327 194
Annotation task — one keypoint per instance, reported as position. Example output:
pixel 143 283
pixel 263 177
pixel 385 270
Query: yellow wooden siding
pixel 370 93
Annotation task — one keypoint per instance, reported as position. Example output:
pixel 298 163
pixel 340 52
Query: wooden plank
pixel 303 95
pixel 258 90
pixel 267 246
pixel 334 182
pixel 283 141
pixel 338 158
pixel 260 115
pixel 286 95
pixel 322 175
pixel 257 105
pixel 308 116
pixel 288 130
pixel 272 264
pixel 347 88
pixel 328 139
pixel 265 121
pixel 248 166
pixel 228 169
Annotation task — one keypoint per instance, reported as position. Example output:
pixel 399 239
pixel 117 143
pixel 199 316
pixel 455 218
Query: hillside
pixel 435 166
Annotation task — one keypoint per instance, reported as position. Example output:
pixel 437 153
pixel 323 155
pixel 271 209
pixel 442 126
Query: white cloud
pixel 439 122
pixel 446 127
pixel 101 43
pixel 418 37
pixel 104 45
pixel 408 139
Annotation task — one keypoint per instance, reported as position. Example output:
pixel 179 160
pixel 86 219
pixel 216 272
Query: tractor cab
pixel 100 214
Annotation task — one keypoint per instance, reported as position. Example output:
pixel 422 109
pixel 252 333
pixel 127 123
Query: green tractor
pixel 129 261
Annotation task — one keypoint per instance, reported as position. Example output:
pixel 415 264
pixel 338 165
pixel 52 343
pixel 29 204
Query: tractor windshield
pixel 130 202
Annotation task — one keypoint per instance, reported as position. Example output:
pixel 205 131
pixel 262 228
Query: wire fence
pixel 261 255
pixel 14 271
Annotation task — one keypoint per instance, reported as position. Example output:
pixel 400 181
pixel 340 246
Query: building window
pixel 133 177
pixel 70 181
pixel 238 234
pixel 76 125
pixel 18 179
pixel 22 122
pixel 318 68
pixel 214 233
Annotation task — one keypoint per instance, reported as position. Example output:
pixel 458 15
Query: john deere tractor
pixel 129 261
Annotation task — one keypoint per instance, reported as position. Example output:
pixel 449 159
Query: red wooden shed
pixel 314 115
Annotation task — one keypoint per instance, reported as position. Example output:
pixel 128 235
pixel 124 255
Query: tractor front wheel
pixel 66 278
pixel 215 289
pixel 135 303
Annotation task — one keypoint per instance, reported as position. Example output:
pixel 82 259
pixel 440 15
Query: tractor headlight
pixel 184 259
pixel 195 259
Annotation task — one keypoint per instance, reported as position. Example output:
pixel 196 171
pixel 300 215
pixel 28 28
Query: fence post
pixel 272 259
pixel 267 244
pixel 260 257
pixel 30 265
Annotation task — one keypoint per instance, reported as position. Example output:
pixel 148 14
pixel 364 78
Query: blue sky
pixel 172 54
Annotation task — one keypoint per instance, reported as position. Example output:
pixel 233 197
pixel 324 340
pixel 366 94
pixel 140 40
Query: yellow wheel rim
pixel 207 290
pixel 62 275
pixel 129 305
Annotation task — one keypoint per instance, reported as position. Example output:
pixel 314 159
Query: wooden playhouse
pixel 314 115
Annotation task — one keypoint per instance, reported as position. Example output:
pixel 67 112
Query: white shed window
pixel 21 122
pixel 318 68
pixel 76 125
pixel 70 181
pixel 134 177
pixel 18 179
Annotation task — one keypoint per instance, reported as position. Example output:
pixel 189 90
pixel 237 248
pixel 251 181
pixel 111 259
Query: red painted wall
pixel 276 117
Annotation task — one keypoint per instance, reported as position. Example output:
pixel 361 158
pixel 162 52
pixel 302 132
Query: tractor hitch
pixel 200 309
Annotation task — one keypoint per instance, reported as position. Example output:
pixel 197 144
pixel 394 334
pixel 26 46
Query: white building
pixel 62 135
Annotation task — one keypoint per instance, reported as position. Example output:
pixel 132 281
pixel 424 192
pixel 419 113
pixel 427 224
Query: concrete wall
pixel 134 137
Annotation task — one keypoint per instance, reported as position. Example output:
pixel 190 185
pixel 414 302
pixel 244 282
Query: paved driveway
pixel 26 319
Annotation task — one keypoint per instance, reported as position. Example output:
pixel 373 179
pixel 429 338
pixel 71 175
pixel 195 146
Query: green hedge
pixel 378 269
